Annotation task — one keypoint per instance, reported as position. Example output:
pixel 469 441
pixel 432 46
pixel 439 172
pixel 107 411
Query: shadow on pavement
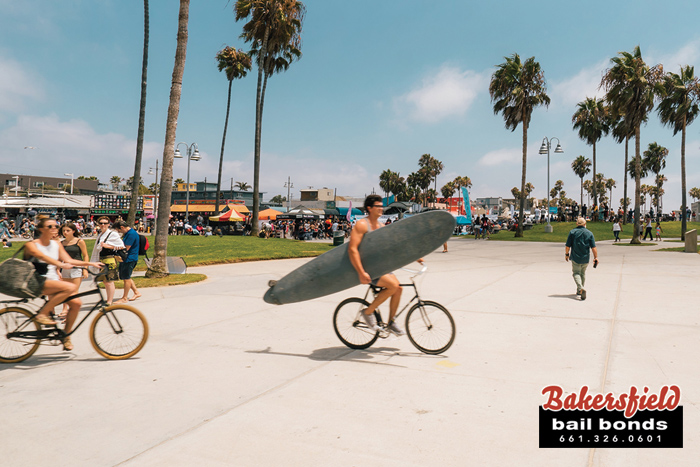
pixel 571 296
pixel 337 353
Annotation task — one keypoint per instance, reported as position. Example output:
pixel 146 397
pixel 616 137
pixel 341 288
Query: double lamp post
pixel 544 149
pixel 192 155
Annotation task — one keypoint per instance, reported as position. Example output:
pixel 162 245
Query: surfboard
pixel 382 251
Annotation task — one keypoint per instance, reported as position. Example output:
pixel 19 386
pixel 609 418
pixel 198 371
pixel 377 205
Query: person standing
pixel 131 242
pixel 77 250
pixel 579 243
pixel 647 231
pixel 106 244
pixel 617 228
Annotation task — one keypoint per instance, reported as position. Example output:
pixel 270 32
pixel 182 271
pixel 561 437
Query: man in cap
pixel 578 244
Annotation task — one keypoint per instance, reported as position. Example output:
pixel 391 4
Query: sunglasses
pixel 378 206
pixel 51 227
pixel 104 223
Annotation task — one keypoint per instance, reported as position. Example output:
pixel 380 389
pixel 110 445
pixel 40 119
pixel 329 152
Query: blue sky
pixel 379 84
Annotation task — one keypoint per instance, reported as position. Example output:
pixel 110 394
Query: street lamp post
pixel 289 185
pixel 155 198
pixel 192 155
pixel 71 182
pixel 544 149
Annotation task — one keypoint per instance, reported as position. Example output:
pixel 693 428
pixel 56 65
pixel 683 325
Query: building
pixel 203 198
pixel 16 184
pixel 314 198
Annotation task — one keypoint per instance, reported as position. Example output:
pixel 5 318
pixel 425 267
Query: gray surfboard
pixel 381 251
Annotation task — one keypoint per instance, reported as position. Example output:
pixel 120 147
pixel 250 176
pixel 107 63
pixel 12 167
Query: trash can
pixel 338 237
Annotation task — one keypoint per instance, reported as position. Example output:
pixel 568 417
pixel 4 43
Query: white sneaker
pixel 393 327
pixel 371 321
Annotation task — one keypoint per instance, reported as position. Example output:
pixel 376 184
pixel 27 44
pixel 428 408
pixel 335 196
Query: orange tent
pixel 268 214
pixel 229 216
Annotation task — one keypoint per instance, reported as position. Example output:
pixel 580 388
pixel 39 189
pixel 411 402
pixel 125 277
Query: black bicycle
pixel 429 325
pixel 117 332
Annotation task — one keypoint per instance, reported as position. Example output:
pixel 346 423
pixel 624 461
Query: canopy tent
pixel 231 215
pixel 268 214
pixel 344 212
pixel 299 212
pixel 239 207
pixel 462 220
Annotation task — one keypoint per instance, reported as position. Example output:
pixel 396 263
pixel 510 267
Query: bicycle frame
pixel 56 333
pixel 416 296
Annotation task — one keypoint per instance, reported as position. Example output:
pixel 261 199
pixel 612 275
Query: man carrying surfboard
pixel 388 282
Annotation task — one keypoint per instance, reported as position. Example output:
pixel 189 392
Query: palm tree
pixel 592 122
pixel 582 167
pixel 447 191
pixel 694 193
pixel 516 88
pixel 622 132
pixel 274 31
pixel 242 186
pixel 610 184
pixel 631 87
pixel 678 109
pixel 237 64
pixel 159 267
pixel 655 161
pixel 385 181
pixel 131 217
pixel 115 180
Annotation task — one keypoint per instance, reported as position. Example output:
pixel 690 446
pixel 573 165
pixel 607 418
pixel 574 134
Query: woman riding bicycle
pixel 47 255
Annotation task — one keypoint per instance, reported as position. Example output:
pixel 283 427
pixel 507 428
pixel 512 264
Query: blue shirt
pixel 131 238
pixel 580 241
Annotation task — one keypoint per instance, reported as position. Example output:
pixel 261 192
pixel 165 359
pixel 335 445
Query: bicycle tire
pixel 119 332
pixel 430 327
pixel 349 325
pixel 13 349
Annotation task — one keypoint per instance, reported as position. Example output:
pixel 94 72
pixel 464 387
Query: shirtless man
pixel 388 282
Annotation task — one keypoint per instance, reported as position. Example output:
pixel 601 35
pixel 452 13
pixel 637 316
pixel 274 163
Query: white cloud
pixel 70 146
pixel 686 55
pixel 500 156
pixel 448 93
pixel 569 92
pixel 17 85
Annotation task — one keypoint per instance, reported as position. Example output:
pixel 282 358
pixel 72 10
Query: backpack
pixel 143 245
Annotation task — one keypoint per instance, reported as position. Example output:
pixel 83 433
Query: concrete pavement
pixel 227 379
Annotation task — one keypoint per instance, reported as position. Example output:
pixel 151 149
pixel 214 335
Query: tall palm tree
pixel 655 161
pixel 621 131
pixel 159 267
pixel 447 190
pixel 694 193
pixel 631 87
pixel 385 181
pixel 242 186
pixel 131 217
pixel 678 109
pixel 237 64
pixel 516 88
pixel 115 180
pixel 274 31
pixel 610 184
pixel 592 122
pixel 582 167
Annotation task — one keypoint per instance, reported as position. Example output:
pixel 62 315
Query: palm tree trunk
pixel 521 216
pixel 624 196
pixel 258 132
pixel 581 192
pixel 131 217
pixel 223 144
pixel 159 267
pixel 637 184
pixel 595 189
pixel 684 206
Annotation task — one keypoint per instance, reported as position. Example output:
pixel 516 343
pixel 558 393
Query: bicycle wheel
pixel 430 327
pixel 119 332
pixel 349 326
pixel 15 347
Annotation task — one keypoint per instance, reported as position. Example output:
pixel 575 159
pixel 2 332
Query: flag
pixel 467 206
pixel 348 216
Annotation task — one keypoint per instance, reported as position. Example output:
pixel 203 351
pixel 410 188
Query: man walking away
pixel 578 244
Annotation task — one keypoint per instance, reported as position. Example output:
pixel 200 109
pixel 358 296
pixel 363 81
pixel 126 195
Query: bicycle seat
pixel 375 288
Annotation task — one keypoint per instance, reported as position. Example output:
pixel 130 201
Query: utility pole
pixel 289 186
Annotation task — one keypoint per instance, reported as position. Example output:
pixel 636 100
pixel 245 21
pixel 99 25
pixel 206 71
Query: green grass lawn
pixel 200 251
pixel 601 231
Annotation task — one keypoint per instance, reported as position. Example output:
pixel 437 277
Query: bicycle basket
pixel 18 278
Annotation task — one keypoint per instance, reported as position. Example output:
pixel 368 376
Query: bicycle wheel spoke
pixel 14 345
pixel 349 325
pixel 120 332
pixel 430 327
